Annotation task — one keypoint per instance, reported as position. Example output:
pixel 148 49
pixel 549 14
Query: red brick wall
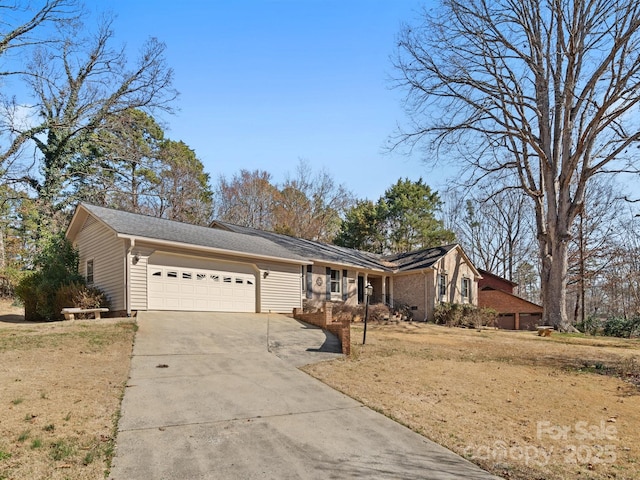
pixel 493 281
pixel 506 303
pixel 324 320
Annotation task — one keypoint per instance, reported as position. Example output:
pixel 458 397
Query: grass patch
pixel 17 401
pixel 82 359
pixel 61 449
pixel 4 455
pixel 477 393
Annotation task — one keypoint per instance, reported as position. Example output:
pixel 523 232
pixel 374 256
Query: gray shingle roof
pixel 246 240
pixel 419 259
pixel 161 229
pixel 315 250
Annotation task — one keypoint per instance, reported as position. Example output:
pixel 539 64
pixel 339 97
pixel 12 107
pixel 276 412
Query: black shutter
pixel 345 286
pixel 328 283
pixel 309 281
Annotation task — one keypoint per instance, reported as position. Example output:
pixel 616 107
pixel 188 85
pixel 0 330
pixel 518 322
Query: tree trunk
pixel 554 277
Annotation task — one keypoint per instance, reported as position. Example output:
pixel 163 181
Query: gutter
pixel 190 246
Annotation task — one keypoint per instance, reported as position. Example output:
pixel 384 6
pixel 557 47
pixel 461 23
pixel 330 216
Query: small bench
pixel 544 331
pixel 70 313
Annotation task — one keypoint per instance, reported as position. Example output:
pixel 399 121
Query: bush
pixel 403 310
pixel 29 294
pixel 464 315
pixel 378 312
pixel 622 327
pixel 341 312
pixel 57 266
pixel 81 296
pixel 449 314
pixel 590 326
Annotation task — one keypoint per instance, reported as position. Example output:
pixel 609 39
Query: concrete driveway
pixel 211 397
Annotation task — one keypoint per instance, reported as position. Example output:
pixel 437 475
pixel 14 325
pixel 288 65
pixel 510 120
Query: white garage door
pixel 194 289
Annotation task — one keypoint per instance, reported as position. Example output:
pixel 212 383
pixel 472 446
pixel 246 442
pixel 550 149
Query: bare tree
pixel 311 205
pixel 20 25
pixel 76 88
pixel 246 199
pixel 539 93
pixel 595 242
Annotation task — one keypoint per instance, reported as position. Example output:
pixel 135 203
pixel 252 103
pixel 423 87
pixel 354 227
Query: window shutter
pixel 309 281
pixel 345 286
pixel 328 282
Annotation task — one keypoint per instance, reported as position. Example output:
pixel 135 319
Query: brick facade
pixel 515 313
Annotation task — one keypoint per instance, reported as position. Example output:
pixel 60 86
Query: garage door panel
pixel 172 287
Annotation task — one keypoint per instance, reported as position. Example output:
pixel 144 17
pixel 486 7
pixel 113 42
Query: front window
pixel 442 285
pixel 90 272
pixel 466 290
pixel 335 281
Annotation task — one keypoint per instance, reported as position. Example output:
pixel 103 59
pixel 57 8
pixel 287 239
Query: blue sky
pixel 265 83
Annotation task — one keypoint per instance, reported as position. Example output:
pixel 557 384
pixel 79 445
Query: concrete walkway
pixel 211 397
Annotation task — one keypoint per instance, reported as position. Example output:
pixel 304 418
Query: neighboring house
pixel 514 313
pixel 148 263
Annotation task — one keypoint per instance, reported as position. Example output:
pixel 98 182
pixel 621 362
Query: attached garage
pixel 148 263
pixel 176 282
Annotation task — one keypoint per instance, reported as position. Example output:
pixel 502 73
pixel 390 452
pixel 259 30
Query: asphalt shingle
pixel 161 229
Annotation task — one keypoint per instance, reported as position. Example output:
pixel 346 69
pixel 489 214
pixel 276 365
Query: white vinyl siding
pixel 281 288
pixel 138 277
pixel 100 244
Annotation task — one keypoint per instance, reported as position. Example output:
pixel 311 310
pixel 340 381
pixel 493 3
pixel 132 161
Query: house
pixel 149 263
pixel 514 313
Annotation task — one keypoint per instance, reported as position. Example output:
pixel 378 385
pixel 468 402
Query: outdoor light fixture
pixel 136 259
pixel 266 273
pixel 368 291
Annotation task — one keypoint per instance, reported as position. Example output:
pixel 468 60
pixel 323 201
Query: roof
pixel 487 275
pixel 401 262
pixel 154 228
pixel 247 241
pixel 420 259
pixel 314 250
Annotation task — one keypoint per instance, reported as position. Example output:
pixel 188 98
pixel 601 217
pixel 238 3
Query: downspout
pixel 127 260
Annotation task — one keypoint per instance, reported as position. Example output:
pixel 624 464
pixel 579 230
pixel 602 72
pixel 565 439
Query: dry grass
pixel 520 406
pixel 60 390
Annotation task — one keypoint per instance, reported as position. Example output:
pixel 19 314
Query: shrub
pixel 341 312
pixel 403 310
pixel 622 327
pixel 590 325
pixel 464 315
pixel 449 314
pixel 57 265
pixel 79 295
pixel 378 312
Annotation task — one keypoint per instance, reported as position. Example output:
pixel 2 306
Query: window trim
pixel 443 280
pixel 336 281
pixel 90 277
pixel 465 290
